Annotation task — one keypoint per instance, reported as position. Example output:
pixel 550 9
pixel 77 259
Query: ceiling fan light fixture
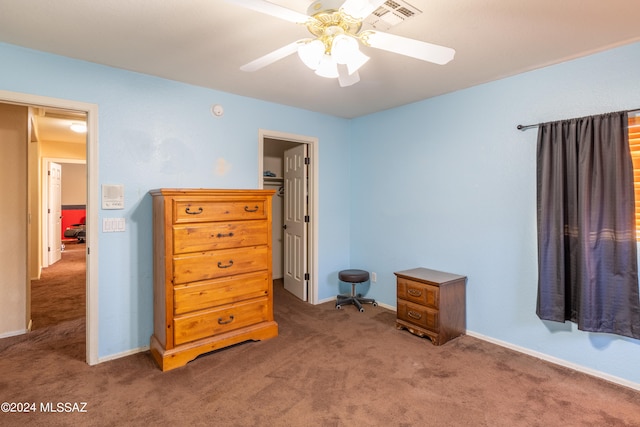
pixel 336 25
pixel 345 51
pixel 328 67
pixel 343 47
pixel 311 53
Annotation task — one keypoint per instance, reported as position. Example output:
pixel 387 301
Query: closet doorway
pixel 288 164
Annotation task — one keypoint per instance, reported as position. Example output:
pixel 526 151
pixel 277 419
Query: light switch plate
pixel 113 225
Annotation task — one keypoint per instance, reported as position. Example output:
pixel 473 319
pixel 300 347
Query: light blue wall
pixel 158 133
pixel 449 184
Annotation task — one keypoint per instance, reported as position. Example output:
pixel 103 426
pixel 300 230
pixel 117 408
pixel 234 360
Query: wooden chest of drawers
pixel 212 271
pixel 431 303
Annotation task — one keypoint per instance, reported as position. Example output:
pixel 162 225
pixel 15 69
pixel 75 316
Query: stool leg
pixel 354 299
pixel 357 304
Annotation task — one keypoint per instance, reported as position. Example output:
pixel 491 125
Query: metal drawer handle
pixel 188 210
pixel 255 209
pixel 414 292
pixel 225 266
pixel 414 315
pixel 225 322
pixel 224 235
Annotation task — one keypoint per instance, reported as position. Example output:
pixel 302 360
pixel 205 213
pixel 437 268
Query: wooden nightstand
pixel 431 303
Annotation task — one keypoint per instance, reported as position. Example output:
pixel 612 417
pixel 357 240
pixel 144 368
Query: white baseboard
pixel 322 301
pixel 123 354
pixel 13 333
pixel 557 361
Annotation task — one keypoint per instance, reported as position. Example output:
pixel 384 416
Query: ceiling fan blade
pixel 360 9
pixel 269 8
pixel 344 78
pixel 409 47
pixel 272 57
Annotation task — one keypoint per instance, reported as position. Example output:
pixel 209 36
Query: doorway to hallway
pixel 33 202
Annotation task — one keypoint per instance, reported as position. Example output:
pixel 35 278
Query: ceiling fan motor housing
pixel 328 21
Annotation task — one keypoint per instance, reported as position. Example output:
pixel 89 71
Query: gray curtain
pixel 587 263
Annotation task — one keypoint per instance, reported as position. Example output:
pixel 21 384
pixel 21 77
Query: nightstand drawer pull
pixel 188 211
pixel 255 209
pixel 414 292
pixel 220 235
pixel 220 265
pixel 225 322
pixel 414 315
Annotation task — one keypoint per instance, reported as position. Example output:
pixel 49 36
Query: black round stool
pixel 354 277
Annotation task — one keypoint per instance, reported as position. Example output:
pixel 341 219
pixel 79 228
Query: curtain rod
pixel 525 127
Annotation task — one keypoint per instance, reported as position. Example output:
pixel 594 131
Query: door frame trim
pixel 312 235
pixel 92 204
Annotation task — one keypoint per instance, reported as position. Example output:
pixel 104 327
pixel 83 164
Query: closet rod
pixel 525 127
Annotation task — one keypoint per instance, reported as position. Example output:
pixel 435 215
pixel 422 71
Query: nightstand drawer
pixel 214 293
pixel 214 264
pixel 418 315
pixel 218 235
pixel 213 322
pixel 193 210
pixel 419 293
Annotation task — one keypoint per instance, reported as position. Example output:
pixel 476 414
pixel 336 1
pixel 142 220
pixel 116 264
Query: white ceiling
pixel 204 42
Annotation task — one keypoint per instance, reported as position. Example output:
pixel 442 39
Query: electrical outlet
pixel 374 277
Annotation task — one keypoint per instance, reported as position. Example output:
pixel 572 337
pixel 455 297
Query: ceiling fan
pixel 334 51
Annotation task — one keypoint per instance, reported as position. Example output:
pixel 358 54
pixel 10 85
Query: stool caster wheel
pixel 375 304
pixel 361 310
pixel 338 306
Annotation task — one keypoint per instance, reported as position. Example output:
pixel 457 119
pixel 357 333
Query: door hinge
pixel 307 160
pixel 307 219
pixel 48 248
pixel 306 276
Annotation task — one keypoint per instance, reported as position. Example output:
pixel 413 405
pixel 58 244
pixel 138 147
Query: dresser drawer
pixel 421 316
pixel 219 235
pixel 419 293
pixel 193 210
pixel 204 324
pixel 213 293
pixel 211 265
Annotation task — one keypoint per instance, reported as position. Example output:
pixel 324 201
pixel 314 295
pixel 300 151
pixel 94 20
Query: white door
pixel 54 212
pixel 295 225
